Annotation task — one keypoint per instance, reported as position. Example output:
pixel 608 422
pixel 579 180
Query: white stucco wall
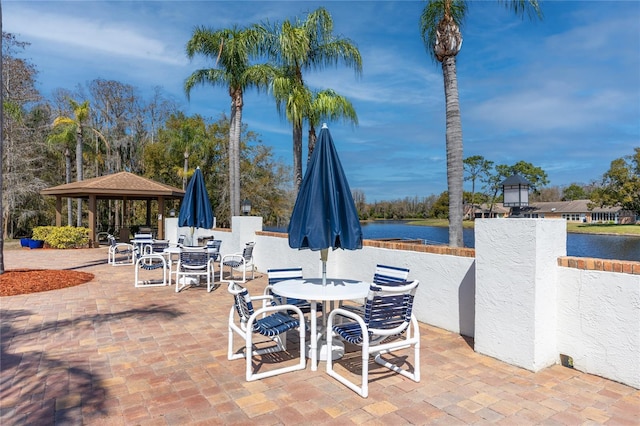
pixel 445 297
pixel 599 323
pixel 513 298
pixel 516 264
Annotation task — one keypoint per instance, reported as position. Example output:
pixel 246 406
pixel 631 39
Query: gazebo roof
pixel 116 186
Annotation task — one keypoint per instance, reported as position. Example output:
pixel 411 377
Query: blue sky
pixel 562 93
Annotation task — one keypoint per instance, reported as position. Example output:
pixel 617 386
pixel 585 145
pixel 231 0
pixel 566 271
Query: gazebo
pixel 118 186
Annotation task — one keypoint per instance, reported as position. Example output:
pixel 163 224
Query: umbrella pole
pixel 324 254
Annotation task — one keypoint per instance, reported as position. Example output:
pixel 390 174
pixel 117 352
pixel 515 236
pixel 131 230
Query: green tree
pixel 477 168
pixel 440 24
pixel 574 192
pixel 620 185
pixel 232 50
pixel 76 125
pixel 536 176
pixel 296 47
pixel 440 209
pixel 328 105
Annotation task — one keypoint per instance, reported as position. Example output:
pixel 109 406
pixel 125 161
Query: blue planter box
pixel 36 244
pixel 24 242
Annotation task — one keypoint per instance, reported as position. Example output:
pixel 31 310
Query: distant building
pixel 571 211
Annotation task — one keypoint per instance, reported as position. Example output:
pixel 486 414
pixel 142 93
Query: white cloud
pixel 100 36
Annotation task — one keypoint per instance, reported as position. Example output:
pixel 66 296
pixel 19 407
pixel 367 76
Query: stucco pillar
pixel 516 279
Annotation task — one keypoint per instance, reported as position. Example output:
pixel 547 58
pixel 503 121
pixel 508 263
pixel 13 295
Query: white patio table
pixel 311 289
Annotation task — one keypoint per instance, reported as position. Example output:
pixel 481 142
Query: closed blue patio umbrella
pixel 325 215
pixel 195 209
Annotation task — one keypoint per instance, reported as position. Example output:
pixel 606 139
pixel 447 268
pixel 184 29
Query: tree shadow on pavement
pixel 62 384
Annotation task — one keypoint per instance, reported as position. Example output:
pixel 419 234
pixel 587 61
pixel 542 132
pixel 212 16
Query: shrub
pixel 62 236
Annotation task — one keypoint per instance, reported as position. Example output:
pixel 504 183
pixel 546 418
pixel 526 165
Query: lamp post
pixel 246 207
pixel 515 190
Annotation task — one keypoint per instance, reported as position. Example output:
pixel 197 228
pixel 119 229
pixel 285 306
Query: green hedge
pixel 62 237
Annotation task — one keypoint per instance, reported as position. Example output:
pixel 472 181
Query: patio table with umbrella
pixel 323 217
pixel 195 209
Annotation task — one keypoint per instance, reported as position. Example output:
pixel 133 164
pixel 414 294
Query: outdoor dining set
pixel 375 316
pixel 183 264
pixel 326 312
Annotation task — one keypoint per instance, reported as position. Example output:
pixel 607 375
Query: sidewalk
pixel 106 353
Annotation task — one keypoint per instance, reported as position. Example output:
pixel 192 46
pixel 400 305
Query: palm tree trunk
pixel 455 167
pixel 79 143
pixel 232 161
pixel 297 156
pixel 67 170
pixel 185 169
pixel 312 141
pixel 236 155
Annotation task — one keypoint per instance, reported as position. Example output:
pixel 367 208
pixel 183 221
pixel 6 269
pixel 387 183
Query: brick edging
pixel 593 264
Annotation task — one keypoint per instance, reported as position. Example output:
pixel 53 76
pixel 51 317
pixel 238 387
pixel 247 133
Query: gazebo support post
pixel 92 221
pixel 58 211
pixel 161 218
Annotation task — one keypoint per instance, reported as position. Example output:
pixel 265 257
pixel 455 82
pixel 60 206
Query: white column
pixel 516 280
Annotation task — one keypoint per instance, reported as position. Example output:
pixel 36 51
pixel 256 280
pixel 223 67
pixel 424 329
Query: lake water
pixel 582 245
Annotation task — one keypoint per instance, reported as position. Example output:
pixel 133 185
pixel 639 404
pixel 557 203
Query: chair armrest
pixel 277 308
pixel 345 313
pixel 233 257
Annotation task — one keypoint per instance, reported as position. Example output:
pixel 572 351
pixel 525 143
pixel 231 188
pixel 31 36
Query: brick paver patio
pixel 106 353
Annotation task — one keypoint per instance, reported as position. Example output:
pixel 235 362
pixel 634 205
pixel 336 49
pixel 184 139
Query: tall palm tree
pixel 328 105
pixel 76 124
pixel 64 139
pixel 297 47
pixel 440 27
pixel 232 50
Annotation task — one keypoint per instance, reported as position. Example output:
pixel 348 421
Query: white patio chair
pixel 277 275
pixel 119 250
pixel 271 321
pixel 193 264
pixel 149 262
pixel 238 262
pixel 388 325
pixel 213 247
pixel 383 275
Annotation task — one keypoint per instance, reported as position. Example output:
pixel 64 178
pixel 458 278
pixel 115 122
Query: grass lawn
pixel 584 228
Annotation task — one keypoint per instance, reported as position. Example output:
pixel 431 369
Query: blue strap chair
pixel 271 321
pixel 149 262
pixel 238 261
pixel 281 274
pixel 194 263
pixel 383 275
pixel 213 248
pixel 388 324
pixel 119 253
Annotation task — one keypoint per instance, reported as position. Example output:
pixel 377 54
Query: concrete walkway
pixel 106 353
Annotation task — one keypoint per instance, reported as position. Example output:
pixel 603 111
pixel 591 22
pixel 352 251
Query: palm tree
pixel 300 46
pixel 232 49
pixel 328 105
pixel 76 124
pixel 440 27
pixel 64 139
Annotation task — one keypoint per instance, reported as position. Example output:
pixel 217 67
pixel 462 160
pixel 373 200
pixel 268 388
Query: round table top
pixel 312 289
